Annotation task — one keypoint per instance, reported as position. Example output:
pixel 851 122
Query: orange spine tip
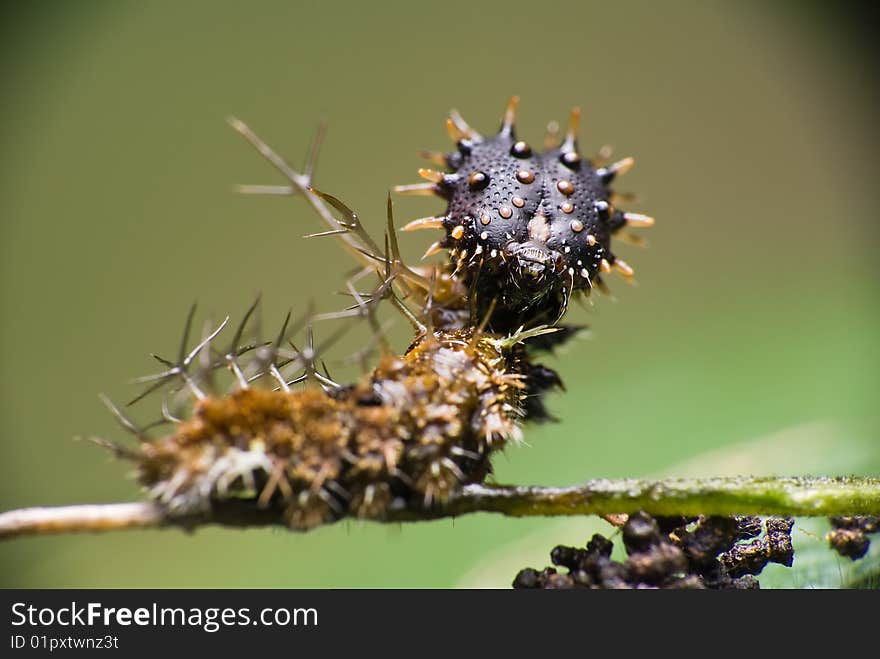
pixel 551 135
pixel 622 166
pixel 417 189
pixel 638 220
pixel 455 133
pixel 624 268
pixel 574 122
pixel 434 157
pixel 424 223
pixel 435 248
pixel 431 175
pixel 462 126
pixel 510 115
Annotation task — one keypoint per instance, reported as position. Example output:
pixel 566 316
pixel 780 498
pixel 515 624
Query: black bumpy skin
pixel 527 230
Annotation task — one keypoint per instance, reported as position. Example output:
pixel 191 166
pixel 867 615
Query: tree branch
pixel 797 497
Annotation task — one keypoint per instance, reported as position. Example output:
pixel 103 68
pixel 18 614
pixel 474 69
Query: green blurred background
pixel 754 127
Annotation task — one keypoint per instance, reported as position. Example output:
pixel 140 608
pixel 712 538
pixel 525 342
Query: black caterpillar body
pixel 526 229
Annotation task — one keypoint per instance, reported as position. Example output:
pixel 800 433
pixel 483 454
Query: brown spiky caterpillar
pixel 526 230
pixel 418 427
pixel 409 433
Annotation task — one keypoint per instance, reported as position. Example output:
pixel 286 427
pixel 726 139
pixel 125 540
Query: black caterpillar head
pixel 526 230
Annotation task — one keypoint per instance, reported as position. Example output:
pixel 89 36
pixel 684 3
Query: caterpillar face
pixel 526 230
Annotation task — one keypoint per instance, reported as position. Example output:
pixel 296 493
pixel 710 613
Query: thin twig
pixel 73 519
pixel 806 497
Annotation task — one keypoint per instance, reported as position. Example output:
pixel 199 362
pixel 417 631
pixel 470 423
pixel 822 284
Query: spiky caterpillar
pixel 526 230
pixel 418 426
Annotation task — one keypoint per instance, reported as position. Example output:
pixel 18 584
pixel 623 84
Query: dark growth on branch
pixel 717 553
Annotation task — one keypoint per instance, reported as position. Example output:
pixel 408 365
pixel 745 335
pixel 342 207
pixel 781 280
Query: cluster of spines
pixel 410 432
pixel 414 430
